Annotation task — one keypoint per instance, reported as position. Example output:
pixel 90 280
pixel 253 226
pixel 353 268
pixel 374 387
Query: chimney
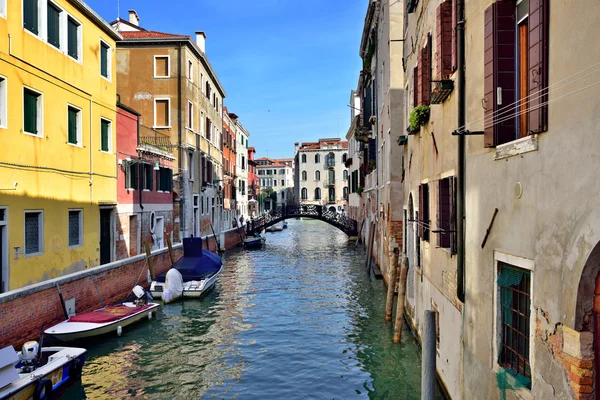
pixel 201 40
pixel 296 148
pixel 133 18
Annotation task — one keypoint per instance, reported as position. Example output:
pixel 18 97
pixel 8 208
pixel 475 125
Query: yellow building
pixel 57 140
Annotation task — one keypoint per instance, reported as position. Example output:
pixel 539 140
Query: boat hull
pixel 65 366
pixel 67 331
pixel 193 289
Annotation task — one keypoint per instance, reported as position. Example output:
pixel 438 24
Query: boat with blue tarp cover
pixel 191 275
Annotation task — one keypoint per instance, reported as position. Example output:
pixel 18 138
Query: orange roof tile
pixel 150 35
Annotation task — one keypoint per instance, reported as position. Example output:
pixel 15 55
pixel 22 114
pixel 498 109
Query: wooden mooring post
pixel 393 268
pixel 401 297
pixel 170 246
pixel 149 258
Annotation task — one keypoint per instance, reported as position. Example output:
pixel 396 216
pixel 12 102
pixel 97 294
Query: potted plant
pixel 417 118
pixel 359 190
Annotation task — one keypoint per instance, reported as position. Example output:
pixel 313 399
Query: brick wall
pixel 25 311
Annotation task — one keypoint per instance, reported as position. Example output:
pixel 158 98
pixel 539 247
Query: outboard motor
pixel 29 356
pixel 142 296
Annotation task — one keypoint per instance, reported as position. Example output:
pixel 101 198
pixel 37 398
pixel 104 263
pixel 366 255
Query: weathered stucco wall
pixel 553 225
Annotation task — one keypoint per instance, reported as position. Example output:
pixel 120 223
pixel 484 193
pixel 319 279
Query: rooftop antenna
pixel 118 11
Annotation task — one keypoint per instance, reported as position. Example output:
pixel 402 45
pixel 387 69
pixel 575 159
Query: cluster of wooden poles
pixel 395 268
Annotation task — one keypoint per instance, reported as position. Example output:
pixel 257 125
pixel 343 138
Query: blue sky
pixel 287 66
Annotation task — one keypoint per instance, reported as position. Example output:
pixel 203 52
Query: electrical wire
pixel 523 111
pixel 78 174
pixel 539 94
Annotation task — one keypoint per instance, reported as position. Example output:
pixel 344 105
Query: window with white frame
pixel 105 135
pixel 74 38
pixel 3 102
pixel 190 115
pixel 33 112
pixel 74 125
pixel 162 113
pixel 201 123
pixel 34 232
pixel 131 175
pixel 53 24
pixel 75 228
pixel 162 69
pixel 3 8
pixel 32 16
pixel 190 74
pixel 105 60
pixel 191 165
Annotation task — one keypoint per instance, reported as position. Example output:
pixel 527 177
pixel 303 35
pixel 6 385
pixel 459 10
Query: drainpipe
pixel 140 177
pixel 460 206
pixel 182 198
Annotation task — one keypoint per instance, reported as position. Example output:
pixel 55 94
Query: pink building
pixel 145 185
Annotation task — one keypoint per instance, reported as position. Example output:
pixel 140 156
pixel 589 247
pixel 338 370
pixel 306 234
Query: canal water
pixel 298 319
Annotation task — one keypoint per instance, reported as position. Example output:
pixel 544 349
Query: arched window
pixel 344 157
pixel 304 194
pixel 331 176
pixel 318 194
pixel 345 174
pixel 317 158
pixel 303 158
pixel 330 160
pixel 303 175
pixel 317 175
pixel 345 192
pixel 332 194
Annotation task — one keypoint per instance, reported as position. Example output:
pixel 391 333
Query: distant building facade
pixel 276 181
pixel 321 173
pixel 177 93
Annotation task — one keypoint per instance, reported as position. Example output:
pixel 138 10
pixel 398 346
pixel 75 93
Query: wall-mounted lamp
pixel 156 167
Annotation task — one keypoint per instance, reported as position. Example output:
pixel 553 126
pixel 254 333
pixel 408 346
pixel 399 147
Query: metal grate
pixel 74 228
pixel 515 299
pixel 32 232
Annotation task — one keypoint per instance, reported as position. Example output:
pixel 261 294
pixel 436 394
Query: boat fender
pixel 150 315
pixel 75 370
pixel 43 390
pixel 119 330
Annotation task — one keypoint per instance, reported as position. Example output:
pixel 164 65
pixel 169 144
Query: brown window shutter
pixel 420 78
pixel 454 36
pixel 415 87
pixel 420 222
pixel 425 212
pixel 162 112
pixel 162 66
pixel 438 214
pixel 425 70
pixel 453 192
pixel 499 72
pixel 538 66
pixel 444 40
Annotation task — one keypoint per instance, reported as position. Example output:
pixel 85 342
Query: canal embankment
pixel 24 312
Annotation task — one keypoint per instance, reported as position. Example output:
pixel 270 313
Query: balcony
pixel 329 164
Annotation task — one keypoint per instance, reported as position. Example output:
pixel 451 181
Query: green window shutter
pixel 53 25
pixel 30 15
pixel 30 112
pixel 159 179
pixel 72 38
pixel 134 176
pixel 72 125
pixel 170 180
pixel 104 135
pixel 104 60
pixel 148 176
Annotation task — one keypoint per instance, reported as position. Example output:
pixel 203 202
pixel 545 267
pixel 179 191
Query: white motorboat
pixel 105 320
pixel 190 276
pixel 35 373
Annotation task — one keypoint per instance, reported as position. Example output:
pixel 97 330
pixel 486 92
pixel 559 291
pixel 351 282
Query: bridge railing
pixel 349 226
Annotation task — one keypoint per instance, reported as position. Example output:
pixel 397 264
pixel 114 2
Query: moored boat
pixel 285 224
pixel 37 372
pixel 254 241
pixel 198 270
pixel 108 319
pixel 275 227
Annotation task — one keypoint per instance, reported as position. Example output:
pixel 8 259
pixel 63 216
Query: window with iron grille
pixel 75 228
pixel 514 285
pixel 34 232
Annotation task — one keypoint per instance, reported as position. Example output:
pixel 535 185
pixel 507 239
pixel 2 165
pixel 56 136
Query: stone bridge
pixel 323 213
